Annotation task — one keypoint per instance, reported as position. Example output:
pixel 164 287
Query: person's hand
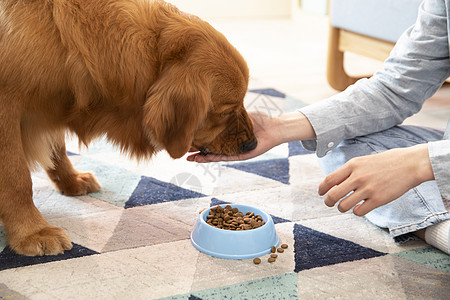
pixel 376 179
pixel 266 129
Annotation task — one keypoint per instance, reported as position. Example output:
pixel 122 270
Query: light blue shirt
pixel 416 68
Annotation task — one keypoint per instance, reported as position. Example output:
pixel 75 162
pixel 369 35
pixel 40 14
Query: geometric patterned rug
pixel 132 239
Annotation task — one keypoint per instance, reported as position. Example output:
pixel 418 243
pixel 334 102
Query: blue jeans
pixel 421 206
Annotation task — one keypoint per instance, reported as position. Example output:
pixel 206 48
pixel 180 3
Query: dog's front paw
pixel 48 241
pixel 80 184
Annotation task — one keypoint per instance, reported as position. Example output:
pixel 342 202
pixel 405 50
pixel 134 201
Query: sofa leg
pixel 336 75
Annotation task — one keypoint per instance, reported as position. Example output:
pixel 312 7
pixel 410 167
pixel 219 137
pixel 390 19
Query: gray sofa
pixel 365 27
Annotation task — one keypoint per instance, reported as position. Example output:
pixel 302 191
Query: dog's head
pixel 197 99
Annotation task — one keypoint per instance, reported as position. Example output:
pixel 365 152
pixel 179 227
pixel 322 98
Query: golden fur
pixel 141 72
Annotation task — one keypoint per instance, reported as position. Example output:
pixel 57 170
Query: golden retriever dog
pixel 140 72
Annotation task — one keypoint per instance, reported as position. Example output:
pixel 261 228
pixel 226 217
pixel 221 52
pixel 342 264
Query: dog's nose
pixel 248 145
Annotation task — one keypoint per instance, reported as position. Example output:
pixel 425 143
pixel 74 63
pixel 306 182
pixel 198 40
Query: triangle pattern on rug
pixel 315 249
pixel 117 183
pixel 152 191
pixel 6 293
pixel 292 104
pixel 269 92
pixel 296 148
pixel 276 169
pixel 429 256
pixel 142 227
pixel 286 288
pixel 215 202
pixel 278 220
pixel 10 259
pixel 274 106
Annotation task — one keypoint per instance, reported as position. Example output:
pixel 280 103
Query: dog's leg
pixel 27 230
pixel 69 181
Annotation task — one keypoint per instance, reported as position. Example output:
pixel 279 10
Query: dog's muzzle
pixel 248 145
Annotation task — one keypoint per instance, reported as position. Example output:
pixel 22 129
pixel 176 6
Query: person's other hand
pixel 376 179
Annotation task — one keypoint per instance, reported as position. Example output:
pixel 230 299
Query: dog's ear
pixel 177 103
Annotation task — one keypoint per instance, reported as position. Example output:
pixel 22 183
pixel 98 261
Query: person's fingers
pixel 192 157
pixel 338 192
pixel 365 207
pixel 197 157
pixel 200 158
pixel 350 201
pixel 334 179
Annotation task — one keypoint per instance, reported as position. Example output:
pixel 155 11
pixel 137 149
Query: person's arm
pixel 415 70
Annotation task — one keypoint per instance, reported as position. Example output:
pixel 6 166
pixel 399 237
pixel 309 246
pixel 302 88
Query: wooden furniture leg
pixel 341 41
pixel 336 75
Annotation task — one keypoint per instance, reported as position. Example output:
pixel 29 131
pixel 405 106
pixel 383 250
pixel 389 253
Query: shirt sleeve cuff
pixel 328 135
pixel 439 152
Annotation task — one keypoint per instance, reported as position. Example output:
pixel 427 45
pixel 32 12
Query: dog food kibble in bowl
pixel 234 232
pixel 229 218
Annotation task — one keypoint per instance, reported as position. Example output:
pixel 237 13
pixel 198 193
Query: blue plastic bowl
pixel 235 244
